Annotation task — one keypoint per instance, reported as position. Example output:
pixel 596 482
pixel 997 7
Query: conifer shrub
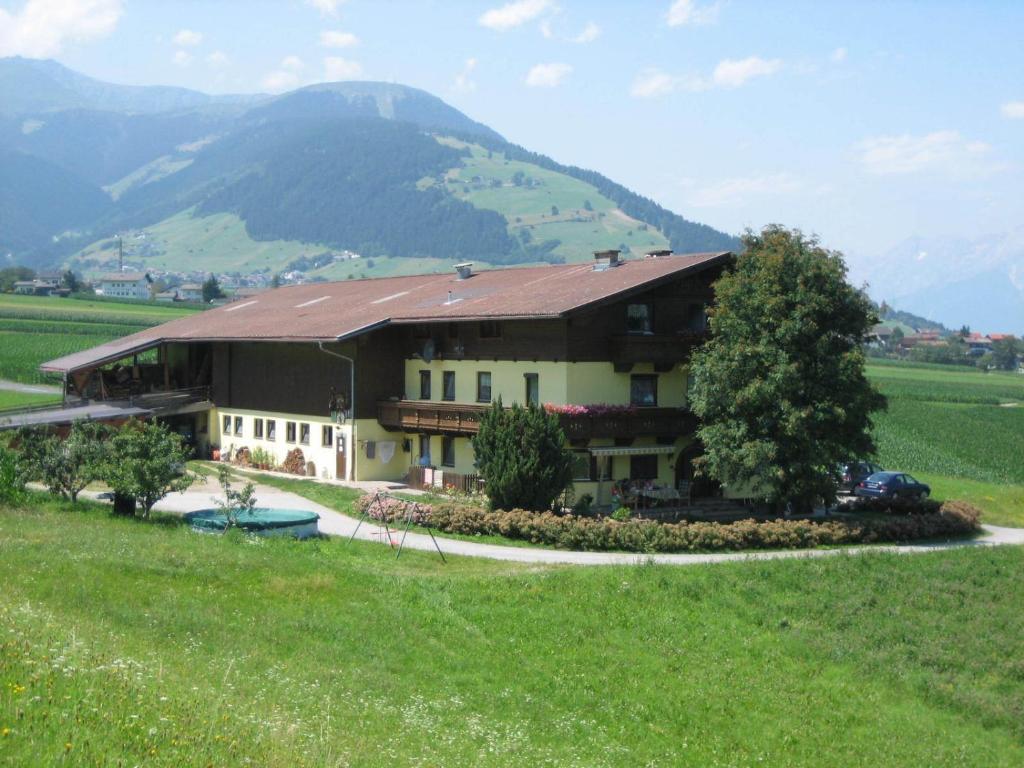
pixel 521 454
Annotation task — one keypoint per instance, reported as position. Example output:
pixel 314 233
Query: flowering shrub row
pixel 594 409
pixel 948 520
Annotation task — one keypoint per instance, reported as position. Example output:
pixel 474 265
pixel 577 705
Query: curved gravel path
pixel 332 523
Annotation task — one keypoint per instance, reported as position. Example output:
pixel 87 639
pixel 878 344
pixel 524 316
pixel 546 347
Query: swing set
pixel 386 529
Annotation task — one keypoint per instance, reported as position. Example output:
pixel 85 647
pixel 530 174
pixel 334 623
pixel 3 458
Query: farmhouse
pixel 126 285
pixel 386 379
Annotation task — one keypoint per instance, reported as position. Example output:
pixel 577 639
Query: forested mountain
pixel 374 168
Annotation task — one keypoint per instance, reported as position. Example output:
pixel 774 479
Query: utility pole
pixel 120 254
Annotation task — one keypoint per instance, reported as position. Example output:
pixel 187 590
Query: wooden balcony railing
pixel 416 416
pixel 660 348
pixel 459 419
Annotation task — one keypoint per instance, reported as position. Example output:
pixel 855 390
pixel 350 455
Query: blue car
pixel 892 485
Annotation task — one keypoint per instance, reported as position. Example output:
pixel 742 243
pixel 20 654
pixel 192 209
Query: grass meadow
pixel 34 329
pixel 960 430
pixel 130 643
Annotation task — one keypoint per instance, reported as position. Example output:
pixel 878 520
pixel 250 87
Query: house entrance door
pixel 340 463
pixel 700 487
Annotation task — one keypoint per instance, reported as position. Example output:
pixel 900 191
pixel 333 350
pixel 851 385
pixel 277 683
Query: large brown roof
pixel 333 311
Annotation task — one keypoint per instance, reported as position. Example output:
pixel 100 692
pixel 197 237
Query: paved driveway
pixel 201 496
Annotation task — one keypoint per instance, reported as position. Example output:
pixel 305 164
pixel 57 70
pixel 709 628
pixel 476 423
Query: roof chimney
pixel 465 270
pixel 606 260
pixel 659 254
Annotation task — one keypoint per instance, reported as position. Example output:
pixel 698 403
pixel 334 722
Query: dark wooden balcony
pixel 427 417
pixel 463 419
pixel 658 348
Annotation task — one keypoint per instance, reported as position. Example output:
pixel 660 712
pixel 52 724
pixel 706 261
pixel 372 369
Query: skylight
pixel 311 302
pixel 241 306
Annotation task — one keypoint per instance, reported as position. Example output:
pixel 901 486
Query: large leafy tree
pixel 147 462
pixel 521 454
pixel 780 388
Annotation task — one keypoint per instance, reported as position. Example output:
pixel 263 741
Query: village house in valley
pixel 386 379
pixel 126 285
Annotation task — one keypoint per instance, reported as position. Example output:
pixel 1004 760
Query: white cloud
pixel 547 75
pixel 217 59
pixel 42 27
pixel 464 82
pixel 280 80
pixel 942 151
pixel 545 29
pixel 651 83
pixel 338 39
pixel 589 34
pixel 337 68
pixel 1013 110
pixel 326 7
pixel 732 73
pixel 729 73
pixel 188 38
pixel 736 190
pixel 838 55
pixel 683 12
pixel 286 76
pixel 513 14
pixel 182 58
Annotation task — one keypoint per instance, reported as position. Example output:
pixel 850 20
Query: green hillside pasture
pixel 582 232
pixel 183 242
pixel 382 266
pixel 148 173
pixel 129 643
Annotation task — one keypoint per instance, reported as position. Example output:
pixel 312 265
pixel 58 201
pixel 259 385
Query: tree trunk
pixel 124 506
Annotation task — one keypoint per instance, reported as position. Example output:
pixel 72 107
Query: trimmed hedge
pixel 899 522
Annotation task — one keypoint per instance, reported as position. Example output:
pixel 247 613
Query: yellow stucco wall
pixel 322 456
pixel 507 379
pixel 560 383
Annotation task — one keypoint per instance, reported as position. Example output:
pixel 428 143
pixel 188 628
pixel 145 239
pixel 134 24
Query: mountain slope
pixel 957 281
pixel 381 169
pixel 28 187
pixel 33 86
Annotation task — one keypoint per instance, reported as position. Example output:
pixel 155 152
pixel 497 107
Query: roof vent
pixel 659 254
pixel 605 260
pixel 465 270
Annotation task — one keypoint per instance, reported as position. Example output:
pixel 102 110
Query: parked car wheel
pixel 923 496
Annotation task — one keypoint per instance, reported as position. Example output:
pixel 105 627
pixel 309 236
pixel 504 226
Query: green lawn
pixel 145 644
pixel 9 399
pixel 954 427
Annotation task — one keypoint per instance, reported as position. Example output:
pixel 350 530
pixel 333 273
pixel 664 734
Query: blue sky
pixel 866 123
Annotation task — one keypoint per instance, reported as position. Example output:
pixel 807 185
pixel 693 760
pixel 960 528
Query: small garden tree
pixel 780 388
pixel 65 465
pixel 235 503
pixel 147 462
pixel 521 454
